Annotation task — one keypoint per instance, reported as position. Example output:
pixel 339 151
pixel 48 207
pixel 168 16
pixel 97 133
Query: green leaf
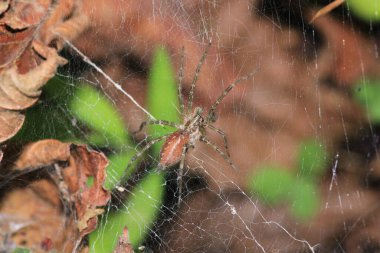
pixel 312 159
pixel 96 112
pixel 305 199
pixel 117 165
pixel 367 93
pixel 21 250
pixel 162 94
pixel 272 183
pixel 137 214
pixel 368 10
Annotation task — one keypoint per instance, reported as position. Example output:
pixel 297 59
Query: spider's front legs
pixel 227 158
pixel 221 133
pixel 137 156
pixel 180 79
pixel 156 122
pixel 211 112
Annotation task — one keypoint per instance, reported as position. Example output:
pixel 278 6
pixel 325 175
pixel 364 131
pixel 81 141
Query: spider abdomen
pixel 172 149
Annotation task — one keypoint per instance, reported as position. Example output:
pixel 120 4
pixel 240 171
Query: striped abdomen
pixel 172 149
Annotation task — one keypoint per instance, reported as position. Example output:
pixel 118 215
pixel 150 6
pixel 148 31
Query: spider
pixel 193 127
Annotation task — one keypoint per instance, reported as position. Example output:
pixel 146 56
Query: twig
pixel 331 6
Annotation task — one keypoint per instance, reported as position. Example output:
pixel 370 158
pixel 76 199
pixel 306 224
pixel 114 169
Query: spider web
pixel 302 91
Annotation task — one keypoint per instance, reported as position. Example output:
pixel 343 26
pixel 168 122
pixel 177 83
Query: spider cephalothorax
pixel 191 130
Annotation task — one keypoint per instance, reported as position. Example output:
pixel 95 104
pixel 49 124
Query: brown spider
pixel 192 129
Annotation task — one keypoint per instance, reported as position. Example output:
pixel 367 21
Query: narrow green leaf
pixel 162 94
pixel 21 250
pixel 117 164
pixel 97 113
pixel 138 215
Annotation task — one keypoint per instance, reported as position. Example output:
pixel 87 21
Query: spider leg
pixel 180 174
pixel 138 155
pixel 224 136
pixel 180 79
pixel 195 78
pixel 227 158
pixel 225 92
pixel 156 122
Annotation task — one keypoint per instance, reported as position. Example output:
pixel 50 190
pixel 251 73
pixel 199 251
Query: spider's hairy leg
pixel 195 78
pixel 217 149
pixel 211 112
pixel 180 174
pixel 223 135
pixel 138 155
pixel 156 122
pixel 180 79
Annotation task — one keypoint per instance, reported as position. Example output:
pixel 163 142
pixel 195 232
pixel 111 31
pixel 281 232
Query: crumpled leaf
pixel 123 244
pixel 29 45
pixel 70 203
pixel 83 165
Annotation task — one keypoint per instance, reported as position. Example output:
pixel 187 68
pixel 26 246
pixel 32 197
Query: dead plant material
pixel 123 244
pixel 29 56
pixel 52 181
pixel 326 9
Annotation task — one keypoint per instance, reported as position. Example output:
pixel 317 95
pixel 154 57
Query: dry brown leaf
pixel 85 164
pixel 4 6
pixel 43 153
pixel 123 244
pixel 88 215
pixel 28 50
pixel 27 209
pixel 10 122
pixel 66 193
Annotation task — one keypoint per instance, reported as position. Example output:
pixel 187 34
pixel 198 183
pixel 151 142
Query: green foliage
pixel 272 183
pixel 99 124
pixel 162 94
pixel 304 199
pixel 275 184
pixel 117 166
pixel 21 250
pixel 137 215
pixel 367 93
pixel 97 113
pixel 368 10
pixel 140 211
pixel 312 157
pixel 106 129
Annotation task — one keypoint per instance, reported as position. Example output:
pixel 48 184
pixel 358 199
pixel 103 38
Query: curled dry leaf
pixel 56 175
pixel 10 122
pixel 4 6
pixel 29 42
pixel 43 153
